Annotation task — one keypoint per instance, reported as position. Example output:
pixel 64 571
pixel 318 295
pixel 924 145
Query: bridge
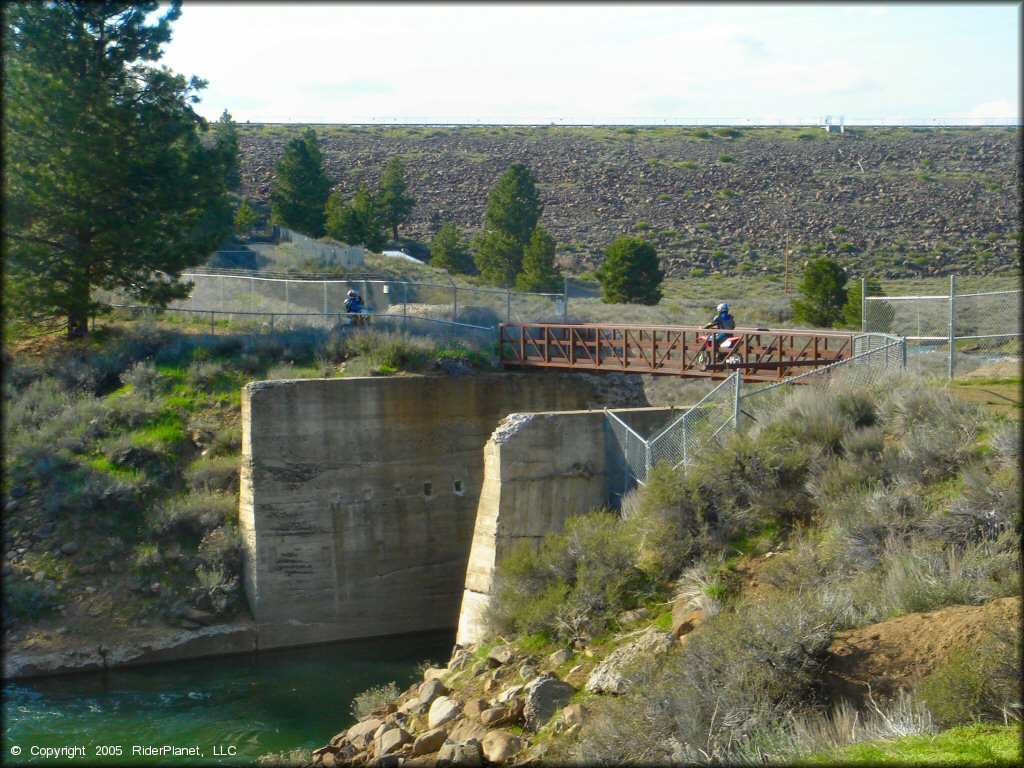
pixel 759 353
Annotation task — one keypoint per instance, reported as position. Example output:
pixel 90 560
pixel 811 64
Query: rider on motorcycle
pixel 353 303
pixel 722 320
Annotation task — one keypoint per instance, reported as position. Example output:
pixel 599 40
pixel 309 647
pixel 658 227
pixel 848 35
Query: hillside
pixel 884 201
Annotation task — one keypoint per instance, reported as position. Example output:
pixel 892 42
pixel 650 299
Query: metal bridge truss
pixel 759 354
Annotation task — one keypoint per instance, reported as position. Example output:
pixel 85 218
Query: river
pixel 230 710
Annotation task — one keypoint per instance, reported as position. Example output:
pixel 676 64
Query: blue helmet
pixel 722 308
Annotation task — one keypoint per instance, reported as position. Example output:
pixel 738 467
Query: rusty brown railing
pixel 760 354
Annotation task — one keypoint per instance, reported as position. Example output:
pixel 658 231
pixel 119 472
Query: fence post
pixel 405 298
pixel 736 403
pixel 952 325
pixel 863 305
pixel 455 302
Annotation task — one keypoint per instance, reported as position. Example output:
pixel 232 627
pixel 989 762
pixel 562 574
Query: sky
pixel 644 63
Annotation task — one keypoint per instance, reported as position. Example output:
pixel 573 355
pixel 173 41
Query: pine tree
pixel 499 257
pixel 298 193
pixel 107 183
pixel 393 205
pixel 824 288
pixel 631 273
pixel 852 309
pixel 245 219
pixel 449 251
pixel 513 210
pixel 539 271
pixel 354 222
pixel 225 135
pixel 514 206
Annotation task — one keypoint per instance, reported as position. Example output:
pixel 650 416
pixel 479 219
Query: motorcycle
pixel 362 317
pixel 726 350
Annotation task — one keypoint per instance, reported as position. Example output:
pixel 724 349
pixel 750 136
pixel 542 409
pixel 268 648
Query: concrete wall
pixel 359 496
pixel 539 469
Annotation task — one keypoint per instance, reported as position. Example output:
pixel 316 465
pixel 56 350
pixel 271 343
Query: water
pixel 230 710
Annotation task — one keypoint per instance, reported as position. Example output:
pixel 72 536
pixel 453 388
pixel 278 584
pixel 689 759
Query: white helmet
pixel 351 293
pixel 722 308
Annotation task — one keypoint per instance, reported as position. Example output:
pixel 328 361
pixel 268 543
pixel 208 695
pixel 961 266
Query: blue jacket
pixel 725 321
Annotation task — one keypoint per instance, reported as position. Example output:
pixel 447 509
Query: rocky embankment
pixel 503 705
pixel 892 202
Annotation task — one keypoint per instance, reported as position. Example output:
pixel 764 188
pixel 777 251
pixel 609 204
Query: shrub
pixel 979 682
pixel 195 514
pixel 146 557
pixel 574 584
pixel 221 549
pixel 741 672
pixel 214 589
pixel 143 378
pixel 372 699
pixel 214 473
pixel 26 601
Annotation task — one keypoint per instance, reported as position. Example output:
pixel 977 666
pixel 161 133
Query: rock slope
pixel 893 201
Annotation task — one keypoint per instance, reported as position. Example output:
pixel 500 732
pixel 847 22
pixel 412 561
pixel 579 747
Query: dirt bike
pixel 362 317
pixel 725 349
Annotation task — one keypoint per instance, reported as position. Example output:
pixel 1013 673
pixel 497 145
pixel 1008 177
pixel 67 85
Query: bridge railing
pixel 760 353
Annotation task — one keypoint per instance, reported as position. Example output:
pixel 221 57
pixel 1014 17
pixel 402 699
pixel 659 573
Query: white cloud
pixel 1001 109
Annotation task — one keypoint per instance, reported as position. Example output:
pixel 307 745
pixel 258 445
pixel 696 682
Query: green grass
pixel 968 745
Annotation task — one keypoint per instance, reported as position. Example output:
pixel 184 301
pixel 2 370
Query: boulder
pixel 430 690
pixel 499 746
pixel 559 657
pixel 443 710
pixel 466 754
pixel 508 693
pixel 389 741
pixel 467 729
pixel 428 742
pixel 617 672
pixel 544 697
pixel 361 734
pixel 501 656
pixel 473 707
pixel 70 547
pixel 434 673
pixel 494 715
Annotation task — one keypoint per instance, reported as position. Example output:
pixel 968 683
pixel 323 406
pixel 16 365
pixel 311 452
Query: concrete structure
pixel 359 496
pixel 539 469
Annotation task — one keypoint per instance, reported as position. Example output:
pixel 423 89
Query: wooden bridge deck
pixel 761 354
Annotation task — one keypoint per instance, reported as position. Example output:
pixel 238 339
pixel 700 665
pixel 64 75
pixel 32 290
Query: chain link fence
pixel 443 334
pixel 951 325
pixel 723 411
pixel 227 291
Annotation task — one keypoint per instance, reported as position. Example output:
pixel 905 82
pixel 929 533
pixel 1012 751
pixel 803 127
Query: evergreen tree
pixel 298 193
pixel 341 221
pixel 365 208
pixel 499 258
pixel 514 206
pixel 824 288
pixel 354 222
pixel 245 219
pixel 394 206
pixel 631 273
pixel 852 309
pixel 449 251
pixel 513 210
pixel 539 271
pixel 107 183
pixel 225 134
